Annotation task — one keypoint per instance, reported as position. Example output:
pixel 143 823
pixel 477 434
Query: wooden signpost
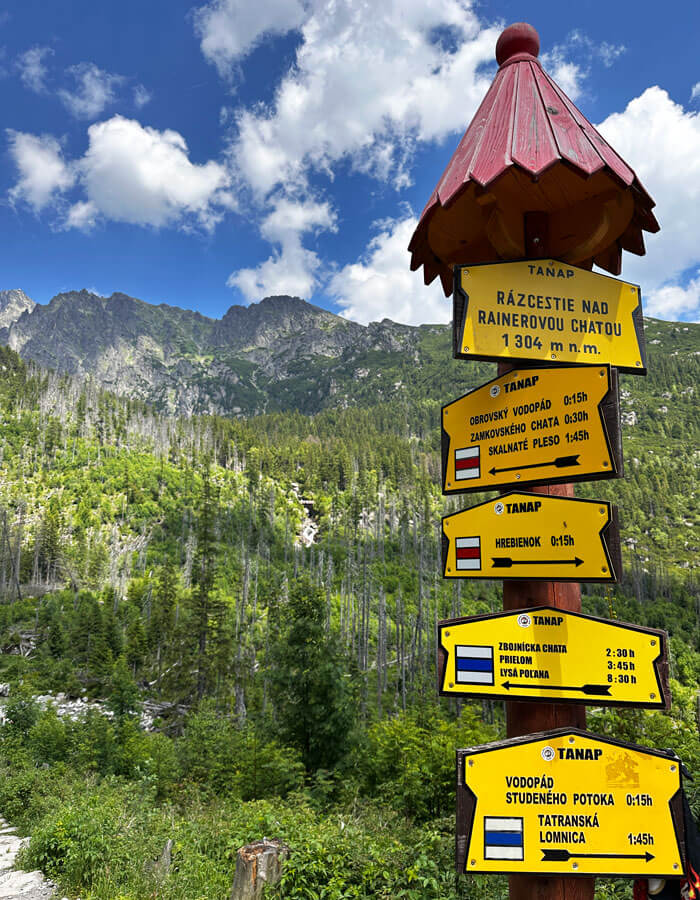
pixel 532 198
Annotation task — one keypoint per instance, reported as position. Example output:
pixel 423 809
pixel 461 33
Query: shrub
pixel 48 739
pixel 28 793
pixel 77 840
pixel 409 761
pixel 21 713
pixel 225 759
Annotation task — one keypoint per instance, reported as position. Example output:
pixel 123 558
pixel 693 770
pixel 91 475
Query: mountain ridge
pixel 277 355
pixel 182 361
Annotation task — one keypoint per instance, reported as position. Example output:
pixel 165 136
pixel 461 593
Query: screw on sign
pixel 532 180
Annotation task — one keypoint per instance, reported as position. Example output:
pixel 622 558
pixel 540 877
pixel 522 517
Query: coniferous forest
pixel 216 630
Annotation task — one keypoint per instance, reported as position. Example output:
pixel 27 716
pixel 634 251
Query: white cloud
pixel 95 90
pixel 292 269
pixel 610 52
pixel 81 215
pixel 675 302
pixel 661 141
pixel 567 74
pixel 142 96
pixel 695 92
pixel 138 174
pixel 32 70
pixel 569 63
pixel 129 173
pixel 43 173
pixel 367 85
pixel 291 217
pixel 382 286
pixel 229 29
pixel 365 90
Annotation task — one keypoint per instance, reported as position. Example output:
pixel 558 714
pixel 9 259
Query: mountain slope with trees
pixel 152 558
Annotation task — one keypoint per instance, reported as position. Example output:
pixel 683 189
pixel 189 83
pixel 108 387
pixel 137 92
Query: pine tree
pixel 308 680
pixel 203 576
pixel 135 648
pixel 123 697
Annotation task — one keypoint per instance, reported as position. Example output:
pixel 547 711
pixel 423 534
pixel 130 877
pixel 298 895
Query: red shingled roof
pixel 529 148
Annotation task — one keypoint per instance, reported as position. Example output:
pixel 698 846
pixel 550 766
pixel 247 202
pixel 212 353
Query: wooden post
pixel 528 147
pixel 524 717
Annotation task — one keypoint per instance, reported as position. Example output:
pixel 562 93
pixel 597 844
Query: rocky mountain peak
pixel 282 351
pixel 276 309
pixel 12 304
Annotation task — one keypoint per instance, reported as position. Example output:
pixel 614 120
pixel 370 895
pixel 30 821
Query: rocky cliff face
pixel 12 305
pixel 278 353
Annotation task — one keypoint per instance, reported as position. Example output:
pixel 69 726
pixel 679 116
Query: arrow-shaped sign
pixel 564 855
pixel 520 536
pixel 561 656
pixel 505 562
pixel 630 798
pixel 561 462
pixel 503 432
pixel 592 689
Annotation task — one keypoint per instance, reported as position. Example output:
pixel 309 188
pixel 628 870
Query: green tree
pixel 112 630
pixel 163 607
pixel 135 643
pixel 123 698
pixel 56 639
pixel 308 679
pixel 204 576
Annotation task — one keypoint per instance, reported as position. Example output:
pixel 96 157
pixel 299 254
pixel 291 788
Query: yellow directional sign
pixel 535 537
pixel 547 311
pixel 548 654
pixel 551 424
pixel 566 802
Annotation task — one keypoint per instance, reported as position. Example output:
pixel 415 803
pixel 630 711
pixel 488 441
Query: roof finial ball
pixel 517 38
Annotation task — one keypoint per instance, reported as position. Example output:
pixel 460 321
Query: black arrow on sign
pixel 505 562
pixel 564 855
pixel 595 689
pixel 561 462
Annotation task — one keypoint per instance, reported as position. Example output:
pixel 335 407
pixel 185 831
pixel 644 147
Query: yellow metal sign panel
pixel 532 425
pixel 535 537
pixel 566 802
pixel 547 311
pixel 549 654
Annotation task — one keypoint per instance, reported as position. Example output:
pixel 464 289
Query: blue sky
pixel 204 155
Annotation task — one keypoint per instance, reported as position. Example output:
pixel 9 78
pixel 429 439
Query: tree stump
pixel 258 864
